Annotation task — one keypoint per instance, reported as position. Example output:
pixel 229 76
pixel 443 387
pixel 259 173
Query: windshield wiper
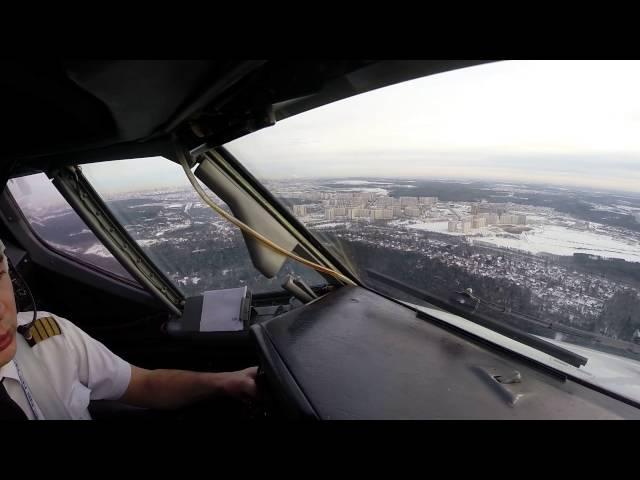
pixel 483 320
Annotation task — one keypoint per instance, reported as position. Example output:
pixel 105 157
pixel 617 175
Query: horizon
pixel 567 124
pixel 560 122
pixel 48 194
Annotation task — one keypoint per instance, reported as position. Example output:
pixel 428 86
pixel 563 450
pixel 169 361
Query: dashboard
pixel 354 354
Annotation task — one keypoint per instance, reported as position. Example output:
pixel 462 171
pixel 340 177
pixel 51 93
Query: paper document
pixel 222 310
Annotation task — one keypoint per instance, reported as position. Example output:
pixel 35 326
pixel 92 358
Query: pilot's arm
pixel 165 389
pixel 107 376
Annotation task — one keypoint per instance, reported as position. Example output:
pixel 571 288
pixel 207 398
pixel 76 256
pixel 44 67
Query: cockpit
pixel 380 237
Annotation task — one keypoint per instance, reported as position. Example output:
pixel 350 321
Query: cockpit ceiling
pixel 54 108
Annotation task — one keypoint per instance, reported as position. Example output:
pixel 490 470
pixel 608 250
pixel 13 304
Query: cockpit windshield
pixel 511 190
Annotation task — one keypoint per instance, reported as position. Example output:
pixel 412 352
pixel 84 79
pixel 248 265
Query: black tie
pixel 9 410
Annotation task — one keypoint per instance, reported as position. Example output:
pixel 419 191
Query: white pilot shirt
pixel 85 369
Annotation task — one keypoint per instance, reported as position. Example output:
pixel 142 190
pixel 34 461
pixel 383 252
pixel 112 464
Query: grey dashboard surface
pixel 354 354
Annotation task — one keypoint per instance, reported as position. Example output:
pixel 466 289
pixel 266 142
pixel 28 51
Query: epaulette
pixel 43 328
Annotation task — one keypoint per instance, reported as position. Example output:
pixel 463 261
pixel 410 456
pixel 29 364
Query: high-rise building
pixel 466 226
pixel 479 222
pixel 300 210
pixel 507 219
pixel 492 218
pixel 452 227
pixel 339 212
pixel 384 201
pixel 522 219
pixel 382 214
pixel 412 212
pixel 408 201
pixel 367 196
pixel 427 200
pixel 344 196
pixel 357 213
pixel 329 213
pixel 397 211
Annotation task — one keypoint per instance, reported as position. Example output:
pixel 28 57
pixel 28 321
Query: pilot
pixel 54 369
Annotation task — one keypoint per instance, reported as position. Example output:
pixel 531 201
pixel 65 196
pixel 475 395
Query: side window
pixel 58 225
pixel 197 249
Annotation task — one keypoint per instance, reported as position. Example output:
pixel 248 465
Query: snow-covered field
pixel 560 240
pixel 359 182
pixel 440 227
pixel 554 239
pixel 147 242
pixel 153 204
pixel 329 225
pixel 379 191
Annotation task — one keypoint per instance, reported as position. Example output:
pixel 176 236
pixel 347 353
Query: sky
pixel 565 122
pixel 571 123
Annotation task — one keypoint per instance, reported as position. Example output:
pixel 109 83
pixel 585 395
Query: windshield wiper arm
pixel 483 320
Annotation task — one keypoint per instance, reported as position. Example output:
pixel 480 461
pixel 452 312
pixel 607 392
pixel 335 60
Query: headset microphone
pixel 16 278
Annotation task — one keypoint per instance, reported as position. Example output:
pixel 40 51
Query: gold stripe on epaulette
pixel 41 331
pixel 43 328
pixel 54 325
pixel 34 333
pixel 46 326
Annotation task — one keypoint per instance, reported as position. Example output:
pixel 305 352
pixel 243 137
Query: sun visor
pixel 249 211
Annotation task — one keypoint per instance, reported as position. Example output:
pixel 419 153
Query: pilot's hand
pixel 241 384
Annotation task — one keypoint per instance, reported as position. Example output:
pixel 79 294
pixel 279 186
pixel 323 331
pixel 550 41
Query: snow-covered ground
pixel 98 249
pixel 147 242
pixel 153 204
pixel 329 225
pixel 554 239
pixel 65 248
pixel 379 191
pixel 81 232
pixel 359 182
pixel 440 227
pixel 560 240
pixel 619 374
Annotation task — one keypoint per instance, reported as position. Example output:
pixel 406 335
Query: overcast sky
pixel 573 123
pixel 567 122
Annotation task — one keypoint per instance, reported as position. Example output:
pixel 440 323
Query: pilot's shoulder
pixel 26 317
pixel 46 326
